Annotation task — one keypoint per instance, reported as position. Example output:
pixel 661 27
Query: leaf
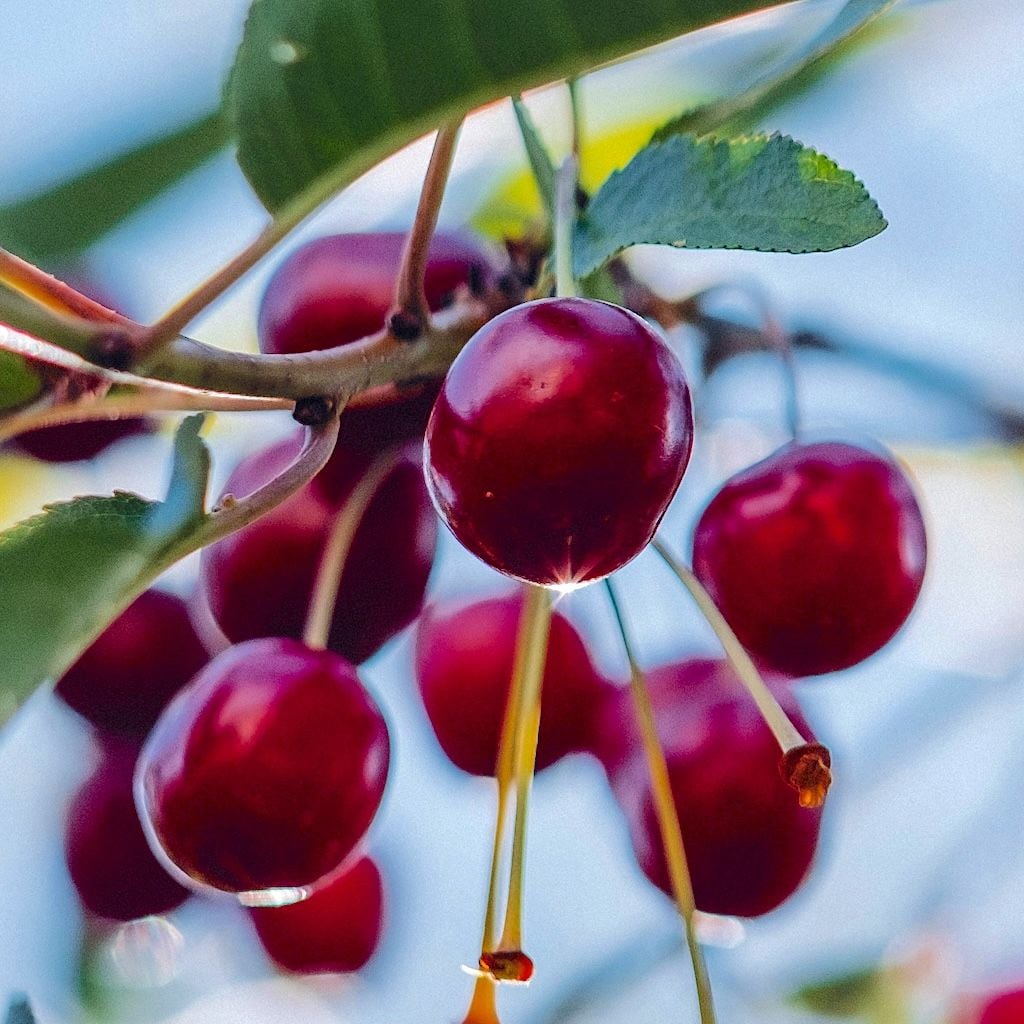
pixel 67 572
pixel 64 220
pixel 768 193
pixel 542 168
pixel 19 1012
pixel 746 108
pixel 321 90
pixel 19 383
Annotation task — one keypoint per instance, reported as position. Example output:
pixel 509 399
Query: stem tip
pixel 511 965
pixel 807 768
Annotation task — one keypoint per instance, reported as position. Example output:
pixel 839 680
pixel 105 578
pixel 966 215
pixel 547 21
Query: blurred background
pixel 918 888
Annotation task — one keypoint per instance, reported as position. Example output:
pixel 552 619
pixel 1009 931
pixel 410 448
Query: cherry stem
pixel 805 765
pixel 565 222
pixel 536 628
pixel 667 813
pixel 483 1007
pixel 142 403
pixel 576 110
pixel 410 293
pixel 232 514
pixel 774 334
pixel 335 553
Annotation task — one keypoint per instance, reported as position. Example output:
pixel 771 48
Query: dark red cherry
pixel 136 665
pixel 1006 1008
pixel 336 929
pixel 815 556
pixel 464 655
pixel 258 581
pixel 748 842
pixel 76 442
pixel 266 771
pixel 111 865
pixel 558 439
pixel 340 288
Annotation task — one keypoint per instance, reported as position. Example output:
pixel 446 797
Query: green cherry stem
pixel 339 542
pixel 805 765
pixel 665 807
pixel 565 223
pixel 411 305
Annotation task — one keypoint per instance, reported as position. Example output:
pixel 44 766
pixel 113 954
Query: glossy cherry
pixel 258 581
pixel 266 771
pixel 136 665
pixel 559 437
pixel 748 842
pixel 111 865
pixel 464 656
pixel 815 555
pixel 340 288
pixel 335 930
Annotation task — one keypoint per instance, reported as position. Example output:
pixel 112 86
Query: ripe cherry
pixel 111 865
pixel 1006 1008
pixel 258 581
pixel 338 289
pixel 136 665
pixel 77 442
pixel 464 656
pixel 265 772
pixel 748 842
pixel 336 929
pixel 559 437
pixel 815 556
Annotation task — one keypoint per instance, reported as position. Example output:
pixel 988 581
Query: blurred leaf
pixel 744 110
pixel 70 570
pixel 540 161
pixel 844 996
pixel 514 207
pixel 19 383
pixel 19 1012
pixel 767 193
pixel 321 90
pixel 64 220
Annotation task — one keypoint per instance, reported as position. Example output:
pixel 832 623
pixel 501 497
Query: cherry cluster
pixel 552 451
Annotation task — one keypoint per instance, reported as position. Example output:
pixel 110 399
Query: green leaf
pixel 745 109
pixel 70 570
pixel 540 160
pixel 321 90
pixel 19 383
pixel 64 220
pixel 768 193
pixel 19 1012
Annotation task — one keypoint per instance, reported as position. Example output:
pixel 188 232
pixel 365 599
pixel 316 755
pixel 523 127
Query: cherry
pixel 559 437
pixel 338 289
pixel 111 865
pixel 136 665
pixel 336 929
pixel 815 556
pixel 464 655
pixel 77 442
pixel 748 842
pixel 258 581
pixel 1006 1008
pixel 266 771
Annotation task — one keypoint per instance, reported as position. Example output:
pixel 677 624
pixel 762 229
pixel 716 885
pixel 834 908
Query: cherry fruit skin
pixel 815 555
pixel 464 656
pixel 335 930
pixel 558 439
pixel 137 664
pixel 266 771
pixel 1006 1008
pixel 78 442
pixel 748 842
pixel 340 288
pixel 258 581
pixel 111 865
